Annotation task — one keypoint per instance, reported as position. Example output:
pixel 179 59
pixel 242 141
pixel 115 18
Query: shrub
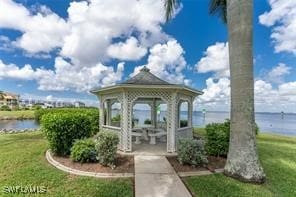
pixel 191 151
pixel 106 146
pixel 217 135
pixel 116 118
pixel 257 129
pixel 92 113
pixel 115 121
pixel 183 123
pixel 84 151
pixel 63 128
pixel 5 108
pixel 37 107
pixel 147 121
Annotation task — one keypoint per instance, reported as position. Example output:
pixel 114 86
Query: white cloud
pixel 70 77
pixel 65 76
pixel 49 98
pixel 267 98
pixel 282 19
pixel 216 91
pixel 215 60
pixel 276 75
pixel 11 71
pixel 167 62
pixel 84 40
pixel 42 32
pixel 89 30
pixel 288 89
pixel 130 50
pixel 95 24
pixel 280 97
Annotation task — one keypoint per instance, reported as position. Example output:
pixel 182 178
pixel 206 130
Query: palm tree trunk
pixel 242 161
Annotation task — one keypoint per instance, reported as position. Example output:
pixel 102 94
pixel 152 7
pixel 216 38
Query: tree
pixel 1 94
pixel 242 160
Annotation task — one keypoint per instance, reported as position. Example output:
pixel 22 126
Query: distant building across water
pixel 49 104
pixel 14 101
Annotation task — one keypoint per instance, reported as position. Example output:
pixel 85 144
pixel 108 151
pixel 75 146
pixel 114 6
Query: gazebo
pixel 147 88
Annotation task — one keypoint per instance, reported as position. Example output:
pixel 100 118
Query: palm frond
pixel 219 7
pixel 170 6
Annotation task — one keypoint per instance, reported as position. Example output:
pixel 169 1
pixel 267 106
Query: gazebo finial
pixel 145 69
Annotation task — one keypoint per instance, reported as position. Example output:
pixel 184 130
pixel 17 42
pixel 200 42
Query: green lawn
pixel 278 157
pixel 22 162
pixel 25 114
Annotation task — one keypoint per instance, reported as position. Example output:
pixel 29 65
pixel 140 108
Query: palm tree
pixel 242 160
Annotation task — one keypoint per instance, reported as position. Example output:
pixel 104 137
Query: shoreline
pixel 16 118
pixel 14 131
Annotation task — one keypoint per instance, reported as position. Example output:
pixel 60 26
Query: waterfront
pixel 267 122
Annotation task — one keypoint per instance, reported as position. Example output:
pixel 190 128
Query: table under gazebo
pixel 149 89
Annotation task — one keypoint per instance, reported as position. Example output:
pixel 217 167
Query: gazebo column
pixel 151 114
pixel 108 112
pixel 190 111
pixel 101 118
pixel 126 123
pixel 172 118
pixel 154 113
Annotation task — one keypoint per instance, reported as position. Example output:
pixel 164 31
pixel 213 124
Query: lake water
pixel 18 124
pixel 267 122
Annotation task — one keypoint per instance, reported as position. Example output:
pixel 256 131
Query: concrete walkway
pixel 155 177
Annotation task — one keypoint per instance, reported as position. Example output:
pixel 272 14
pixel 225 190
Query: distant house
pixel 29 103
pixel 79 104
pixel 9 99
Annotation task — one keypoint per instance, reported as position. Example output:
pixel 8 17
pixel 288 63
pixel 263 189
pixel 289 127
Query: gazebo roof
pixel 145 79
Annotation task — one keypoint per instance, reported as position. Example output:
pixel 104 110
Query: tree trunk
pixel 242 161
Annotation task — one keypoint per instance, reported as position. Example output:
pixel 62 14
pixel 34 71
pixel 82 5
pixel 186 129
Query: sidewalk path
pixel 155 177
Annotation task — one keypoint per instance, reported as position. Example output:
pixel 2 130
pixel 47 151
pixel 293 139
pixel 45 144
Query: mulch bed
pixel 214 163
pixel 124 164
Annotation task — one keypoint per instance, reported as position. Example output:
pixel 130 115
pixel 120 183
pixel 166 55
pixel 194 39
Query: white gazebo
pixel 147 88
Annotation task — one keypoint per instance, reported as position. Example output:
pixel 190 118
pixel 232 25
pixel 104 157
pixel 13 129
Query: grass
pixel 278 157
pixel 199 132
pixel 23 163
pixel 25 114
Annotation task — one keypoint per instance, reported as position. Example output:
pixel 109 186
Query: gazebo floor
pixel 147 149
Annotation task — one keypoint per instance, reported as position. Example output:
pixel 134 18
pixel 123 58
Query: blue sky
pixel 70 47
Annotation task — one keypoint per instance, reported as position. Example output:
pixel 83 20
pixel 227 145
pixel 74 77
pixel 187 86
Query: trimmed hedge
pixel 183 123
pixel 92 113
pixel 147 121
pixel 192 152
pixel 63 128
pixel 84 151
pixel 217 135
pixel 106 146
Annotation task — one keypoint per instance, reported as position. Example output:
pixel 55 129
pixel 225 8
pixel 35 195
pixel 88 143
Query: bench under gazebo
pixel 165 100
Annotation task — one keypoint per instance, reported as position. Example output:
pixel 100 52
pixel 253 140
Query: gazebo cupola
pixel 147 88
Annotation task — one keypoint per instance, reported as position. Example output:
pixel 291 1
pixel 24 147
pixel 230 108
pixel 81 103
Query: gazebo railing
pixel 117 129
